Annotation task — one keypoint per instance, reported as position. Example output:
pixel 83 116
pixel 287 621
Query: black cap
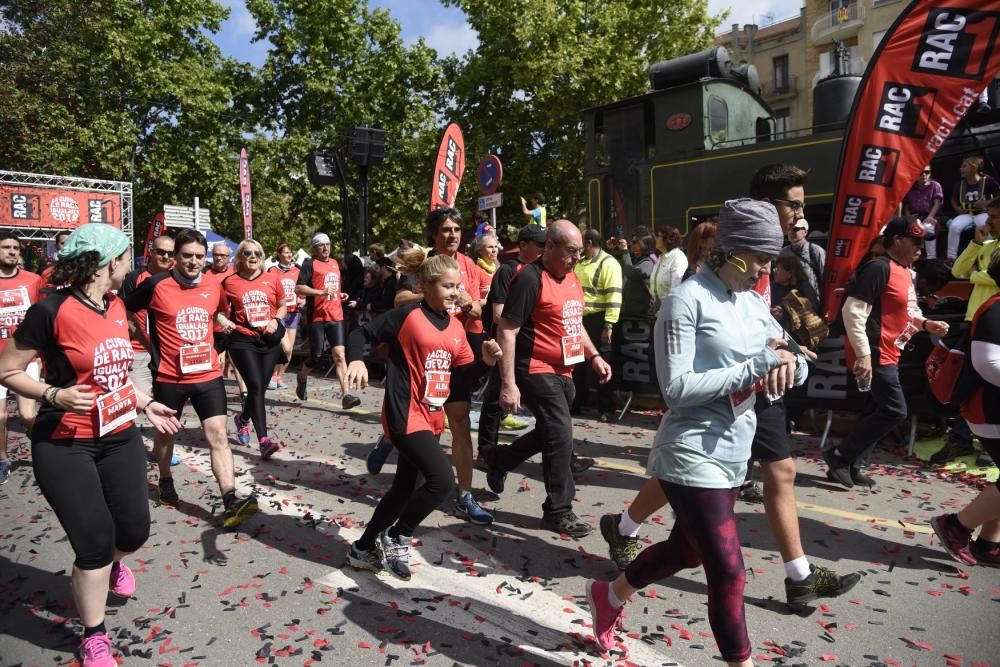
pixel 908 226
pixel 531 233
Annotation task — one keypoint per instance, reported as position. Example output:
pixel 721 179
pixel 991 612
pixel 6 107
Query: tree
pixel 540 62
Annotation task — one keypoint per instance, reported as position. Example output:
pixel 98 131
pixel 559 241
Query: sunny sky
pixel 444 28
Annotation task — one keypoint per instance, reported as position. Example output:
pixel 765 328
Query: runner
pixel 427 346
pixel 319 279
pixel 220 269
pixel 288 274
pixel 183 303
pixel 543 321
pixel 59 242
pixel 255 330
pixel 161 261
pixel 87 455
pixel 18 290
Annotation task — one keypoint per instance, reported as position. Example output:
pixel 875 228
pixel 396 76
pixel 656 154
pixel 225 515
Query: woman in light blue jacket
pixel 715 341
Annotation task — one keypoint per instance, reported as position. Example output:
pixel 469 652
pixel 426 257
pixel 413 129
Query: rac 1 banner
pixel 932 65
pixel 245 201
pixel 57 208
pixel 448 168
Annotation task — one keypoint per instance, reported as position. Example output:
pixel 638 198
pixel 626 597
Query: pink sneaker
pixel 122 580
pixel 268 448
pixel 603 615
pixel 95 651
pixel 242 430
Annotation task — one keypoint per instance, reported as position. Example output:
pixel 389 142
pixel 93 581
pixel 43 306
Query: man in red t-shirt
pixel 18 290
pixel 320 281
pixel 161 261
pixel 542 337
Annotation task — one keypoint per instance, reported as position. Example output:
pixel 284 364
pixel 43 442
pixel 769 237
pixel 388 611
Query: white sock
pixel 627 527
pixel 798 569
pixel 613 599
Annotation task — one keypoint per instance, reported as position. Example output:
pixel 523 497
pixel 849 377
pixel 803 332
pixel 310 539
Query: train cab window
pixel 718 119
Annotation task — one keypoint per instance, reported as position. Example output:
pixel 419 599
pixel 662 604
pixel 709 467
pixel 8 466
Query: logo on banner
pixel 858 211
pixel 905 109
pixel 100 210
pixel 956 42
pixel 25 207
pixel 842 247
pixel 64 209
pixel 877 165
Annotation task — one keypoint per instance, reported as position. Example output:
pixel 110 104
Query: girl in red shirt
pixel 87 455
pixel 287 272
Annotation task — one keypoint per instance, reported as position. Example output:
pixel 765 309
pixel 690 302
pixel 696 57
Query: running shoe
pixel 360 559
pixel 273 384
pixel 281 383
pixel 395 552
pixel 122 580
pixel 986 553
pixel 512 423
pixel 350 401
pixel 821 583
pixel 377 456
pixel 984 460
pixel 861 479
pixel 568 523
pixel 603 616
pixel 268 448
pixel 242 430
pixel 621 549
pixel 175 459
pixel 300 388
pixel 952 450
pixel 839 469
pixel 95 651
pixel 168 494
pixel 751 493
pixel 4 470
pixel 578 464
pixel 240 511
pixel 495 478
pixel 954 537
pixel 467 507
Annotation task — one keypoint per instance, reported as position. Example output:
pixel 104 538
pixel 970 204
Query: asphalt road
pixel 275 592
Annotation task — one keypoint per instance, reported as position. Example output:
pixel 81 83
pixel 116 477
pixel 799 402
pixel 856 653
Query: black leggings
pixel 403 505
pixel 98 492
pixel 256 365
pixel 704 533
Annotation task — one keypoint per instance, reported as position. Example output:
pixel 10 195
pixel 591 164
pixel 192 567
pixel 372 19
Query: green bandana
pixel 98 237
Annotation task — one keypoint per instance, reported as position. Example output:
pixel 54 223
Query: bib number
pixel 437 388
pixel 14 300
pixel 572 349
pixel 196 358
pixel 115 408
pixel 742 400
pixel 258 315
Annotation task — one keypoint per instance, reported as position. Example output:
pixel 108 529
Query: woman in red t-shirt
pixel 287 272
pixel 254 325
pixel 87 455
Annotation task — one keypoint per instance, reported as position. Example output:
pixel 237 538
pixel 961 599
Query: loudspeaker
pixel 366 146
pixel 322 167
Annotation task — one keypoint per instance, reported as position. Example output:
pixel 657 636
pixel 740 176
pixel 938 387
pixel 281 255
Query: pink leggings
pixel 703 534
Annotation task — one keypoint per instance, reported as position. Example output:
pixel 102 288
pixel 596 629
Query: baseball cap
pixel 531 233
pixel 907 226
pixel 320 238
pixel 801 224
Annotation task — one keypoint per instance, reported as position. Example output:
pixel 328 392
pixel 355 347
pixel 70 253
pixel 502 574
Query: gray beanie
pixel 748 224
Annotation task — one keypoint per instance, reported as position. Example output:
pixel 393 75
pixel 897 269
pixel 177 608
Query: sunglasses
pixel 163 253
pixel 794 204
pixel 252 253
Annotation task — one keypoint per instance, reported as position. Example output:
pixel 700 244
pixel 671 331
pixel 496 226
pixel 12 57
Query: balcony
pixel 772 91
pixel 838 25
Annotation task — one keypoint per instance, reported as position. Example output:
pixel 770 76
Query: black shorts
pixel 770 442
pixel 330 332
pixel 208 398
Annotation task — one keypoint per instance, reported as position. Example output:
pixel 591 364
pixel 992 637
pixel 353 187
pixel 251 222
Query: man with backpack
pixel 812 256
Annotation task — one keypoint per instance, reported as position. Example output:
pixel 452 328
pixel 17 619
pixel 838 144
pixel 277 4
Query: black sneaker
pixel 861 479
pixel 839 469
pixel 495 478
pixel 984 460
pixel 377 456
pixel 986 553
pixel 821 583
pixel 395 552
pixel 579 464
pixel 621 549
pixel 350 401
pixel 168 494
pixel 568 523
pixel 952 450
pixel 300 388
pixel 240 511
pixel 360 559
pixel 752 493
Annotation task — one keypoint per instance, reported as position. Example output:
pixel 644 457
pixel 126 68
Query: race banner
pixel 156 227
pixel 245 198
pixel 57 208
pixel 448 168
pixel 931 66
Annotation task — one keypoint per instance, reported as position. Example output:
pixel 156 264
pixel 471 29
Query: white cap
pixel 319 238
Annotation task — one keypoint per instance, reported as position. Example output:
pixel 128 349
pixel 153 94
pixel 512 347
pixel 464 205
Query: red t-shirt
pixel 885 285
pixel 129 285
pixel 218 276
pixel 288 279
pixel 180 327
pixel 472 282
pixel 323 275
pixel 252 303
pixel 549 311
pixel 17 293
pixel 79 346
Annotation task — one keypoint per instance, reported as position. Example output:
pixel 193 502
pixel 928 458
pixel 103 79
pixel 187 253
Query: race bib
pixel 115 408
pixel 258 315
pixel 196 358
pixel 14 300
pixel 437 388
pixel 742 400
pixel 572 349
pixel 289 287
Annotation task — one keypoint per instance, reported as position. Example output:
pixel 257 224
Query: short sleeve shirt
pixel 252 303
pixel 885 286
pixel 920 199
pixel 323 275
pixel 983 407
pixel 17 293
pixel 288 279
